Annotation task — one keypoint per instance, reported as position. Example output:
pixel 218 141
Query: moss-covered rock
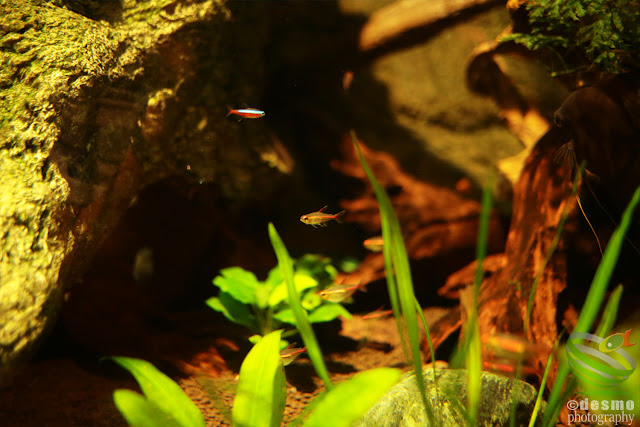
pixel 402 405
pixel 98 100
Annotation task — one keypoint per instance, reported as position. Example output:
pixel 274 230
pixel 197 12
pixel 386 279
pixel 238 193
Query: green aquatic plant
pixel 472 345
pixel 600 32
pixel 563 386
pixel 263 306
pixel 261 392
pixel 399 281
pixel 163 403
pixel 303 323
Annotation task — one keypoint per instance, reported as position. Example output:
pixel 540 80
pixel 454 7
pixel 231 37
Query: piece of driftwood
pixel 601 122
pixel 436 221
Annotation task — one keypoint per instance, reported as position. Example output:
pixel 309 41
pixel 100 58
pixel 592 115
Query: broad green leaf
pixel 311 301
pixel 239 283
pixel 262 296
pixel 285 316
pixel 274 278
pixel 261 392
pixel 162 391
pixel 351 399
pixel 328 312
pixel 233 310
pixel 139 412
pixel 303 281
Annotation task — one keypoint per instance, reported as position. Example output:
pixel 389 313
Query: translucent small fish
pixel 291 353
pixel 377 314
pixel 374 244
pixel 246 113
pixel 320 218
pixel 338 293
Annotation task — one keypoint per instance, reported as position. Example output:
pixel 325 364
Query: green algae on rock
pixel 96 103
pixel 402 405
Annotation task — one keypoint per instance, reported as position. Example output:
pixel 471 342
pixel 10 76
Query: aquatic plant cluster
pixel 263 307
pixel 261 392
pixel 605 33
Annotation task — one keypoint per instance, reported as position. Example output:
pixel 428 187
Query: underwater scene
pixel 319 213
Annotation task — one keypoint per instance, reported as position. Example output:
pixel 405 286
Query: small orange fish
pixel 246 113
pixel 374 244
pixel 377 314
pixel 319 219
pixel 291 353
pixel 510 345
pixel 338 293
pixel 508 367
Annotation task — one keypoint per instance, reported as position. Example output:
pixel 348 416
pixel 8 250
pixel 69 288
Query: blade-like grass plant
pixel 399 280
pixel 302 321
pixel 473 360
pixel 591 307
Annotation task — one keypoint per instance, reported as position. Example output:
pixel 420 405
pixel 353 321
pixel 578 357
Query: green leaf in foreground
pixel 302 321
pixel 139 412
pixel 160 391
pixel 350 400
pixel 261 392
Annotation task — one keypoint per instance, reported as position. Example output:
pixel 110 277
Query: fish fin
pixel 323 208
pixel 339 216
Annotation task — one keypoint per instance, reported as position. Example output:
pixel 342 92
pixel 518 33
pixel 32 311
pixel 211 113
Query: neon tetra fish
pixel 377 314
pixel 246 113
pixel 319 218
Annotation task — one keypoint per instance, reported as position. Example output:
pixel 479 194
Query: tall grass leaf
pixel 593 303
pixel 399 279
pixel 473 359
pixel 139 412
pixel 302 321
pixel 162 391
pixel 473 362
pixel 545 376
pixel 261 393
pixel 610 312
pixel 351 399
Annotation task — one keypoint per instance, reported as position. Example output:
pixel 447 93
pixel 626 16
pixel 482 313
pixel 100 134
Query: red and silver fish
pixel 377 314
pixel 320 219
pixel 246 113
pixel 291 353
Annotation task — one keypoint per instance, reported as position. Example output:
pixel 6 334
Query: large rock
pixel 402 405
pixel 100 99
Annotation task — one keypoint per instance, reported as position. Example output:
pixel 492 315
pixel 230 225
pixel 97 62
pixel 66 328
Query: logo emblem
pixel 604 365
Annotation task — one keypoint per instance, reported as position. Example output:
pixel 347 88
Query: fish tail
pixel 339 216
